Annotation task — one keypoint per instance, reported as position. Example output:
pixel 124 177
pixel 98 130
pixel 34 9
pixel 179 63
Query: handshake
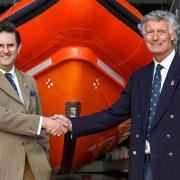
pixel 56 125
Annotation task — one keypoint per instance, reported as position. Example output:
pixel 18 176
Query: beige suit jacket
pixel 18 131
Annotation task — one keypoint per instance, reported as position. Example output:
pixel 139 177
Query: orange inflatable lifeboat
pixel 80 52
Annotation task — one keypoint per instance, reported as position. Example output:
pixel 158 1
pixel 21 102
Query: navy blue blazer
pixel 134 102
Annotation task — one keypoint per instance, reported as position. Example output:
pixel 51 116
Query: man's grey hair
pixel 159 15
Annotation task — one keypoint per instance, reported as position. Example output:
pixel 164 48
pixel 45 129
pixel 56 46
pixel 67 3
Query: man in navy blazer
pixel 154 148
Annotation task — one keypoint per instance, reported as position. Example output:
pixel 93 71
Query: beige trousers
pixel 28 175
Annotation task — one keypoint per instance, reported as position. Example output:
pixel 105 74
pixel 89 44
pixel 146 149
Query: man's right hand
pixel 55 126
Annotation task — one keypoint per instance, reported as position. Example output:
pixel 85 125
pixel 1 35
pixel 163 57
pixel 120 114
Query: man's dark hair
pixel 10 28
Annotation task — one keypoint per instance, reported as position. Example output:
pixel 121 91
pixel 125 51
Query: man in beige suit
pixel 23 131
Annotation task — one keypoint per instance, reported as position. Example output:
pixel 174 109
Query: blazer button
pixel 168 136
pixel 134 152
pixel 171 116
pixel 137 136
pixel 24 143
pixel 138 115
pixel 170 154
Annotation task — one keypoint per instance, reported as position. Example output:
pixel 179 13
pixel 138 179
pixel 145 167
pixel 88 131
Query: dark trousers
pixel 147 170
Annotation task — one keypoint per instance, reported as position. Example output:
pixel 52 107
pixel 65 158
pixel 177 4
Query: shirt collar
pixel 166 62
pixel 12 71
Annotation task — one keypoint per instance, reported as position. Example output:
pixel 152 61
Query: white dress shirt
pixel 14 77
pixel 166 63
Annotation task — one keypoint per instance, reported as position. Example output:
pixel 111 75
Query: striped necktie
pixel 9 78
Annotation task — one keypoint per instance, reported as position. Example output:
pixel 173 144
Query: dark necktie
pixel 156 86
pixel 9 78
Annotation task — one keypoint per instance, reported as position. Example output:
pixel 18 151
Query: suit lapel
pixel 24 89
pixel 7 87
pixel 168 89
pixel 145 89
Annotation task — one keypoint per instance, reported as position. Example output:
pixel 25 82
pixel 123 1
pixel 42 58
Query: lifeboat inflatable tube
pixel 79 51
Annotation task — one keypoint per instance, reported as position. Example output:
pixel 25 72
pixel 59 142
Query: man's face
pixel 8 50
pixel 158 38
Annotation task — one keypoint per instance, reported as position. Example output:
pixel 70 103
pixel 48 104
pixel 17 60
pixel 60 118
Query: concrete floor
pixel 90 177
